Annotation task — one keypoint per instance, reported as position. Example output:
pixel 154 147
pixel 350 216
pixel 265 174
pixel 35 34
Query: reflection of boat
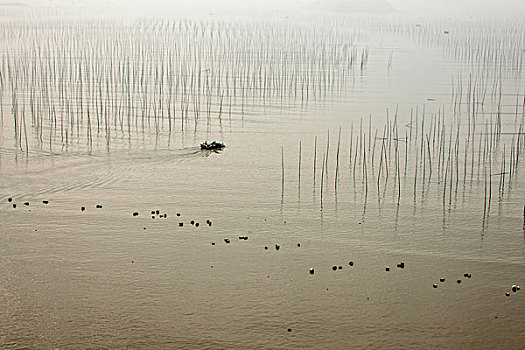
pixel 213 145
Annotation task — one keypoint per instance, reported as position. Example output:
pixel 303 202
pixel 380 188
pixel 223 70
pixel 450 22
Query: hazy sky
pixel 439 7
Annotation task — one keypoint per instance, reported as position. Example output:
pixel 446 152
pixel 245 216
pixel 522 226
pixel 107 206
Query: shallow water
pixel 103 278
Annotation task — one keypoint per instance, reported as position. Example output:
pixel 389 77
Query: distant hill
pixel 353 6
pixel 12 4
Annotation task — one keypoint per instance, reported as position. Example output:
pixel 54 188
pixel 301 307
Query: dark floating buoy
pixel 209 223
pixel 143 228
pixel 45 202
pixel 181 224
pixel 178 214
pixel 132 261
pixel 277 247
pixel 507 294
pixel 299 245
pixel 153 212
pixel 514 288
pixel 82 208
pixel 157 212
pixel 192 222
pixel 387 269
pixel 334 268
pixel 153 216
pixel 340 267
pixel 135 214
pixel 469 276
pixel 9 199
pixel 26 203
pixel 14 206
pixel 312 271
pixel 289 330
pixel 442 279
pixel 465 275
pixel 401 265
pixel 265 248
pixel 226 240
pixel 351 263
pixel 212 243
pixel 98 206
pixel 435 285
pixel 196 224
pixel 459 281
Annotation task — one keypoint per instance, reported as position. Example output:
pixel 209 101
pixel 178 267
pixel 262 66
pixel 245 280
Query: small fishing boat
pixel 211 146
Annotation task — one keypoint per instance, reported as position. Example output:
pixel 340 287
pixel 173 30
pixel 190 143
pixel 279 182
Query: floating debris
pixel 277 247
pixel 135 214
pixel 226 240
pixel 98 206
pixel 401 265
pixel 181 224
pixel 45 202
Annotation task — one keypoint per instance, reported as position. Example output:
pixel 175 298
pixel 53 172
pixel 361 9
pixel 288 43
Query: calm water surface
pixel 104 278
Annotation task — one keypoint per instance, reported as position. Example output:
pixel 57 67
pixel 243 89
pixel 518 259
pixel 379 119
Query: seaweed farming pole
pixel 282 171
pixel 337 160
pixel 299 167
pixel 315 156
